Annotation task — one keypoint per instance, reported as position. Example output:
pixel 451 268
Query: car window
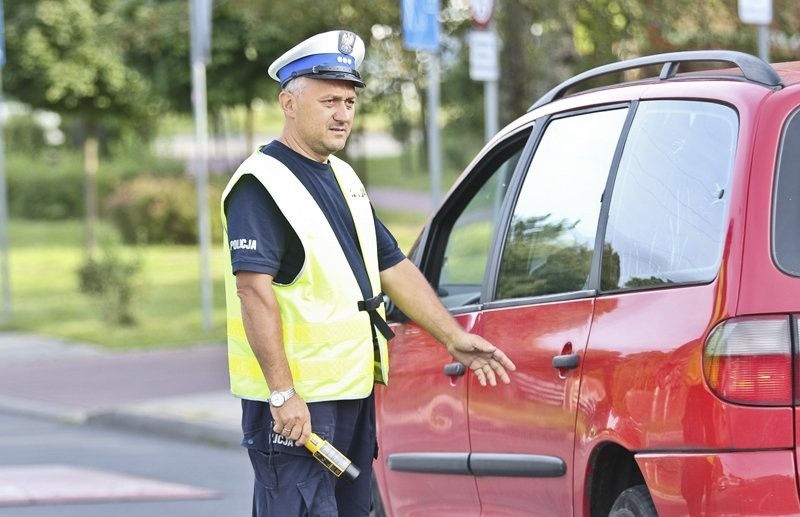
pixel 670 196
pixel 467 248
pixel 549 244
pixel 785 238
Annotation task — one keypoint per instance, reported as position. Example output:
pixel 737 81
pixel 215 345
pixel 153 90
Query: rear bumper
pixel 731 483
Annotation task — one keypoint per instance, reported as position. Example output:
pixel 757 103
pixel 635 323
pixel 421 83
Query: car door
pixel 422 414
pixel 538 310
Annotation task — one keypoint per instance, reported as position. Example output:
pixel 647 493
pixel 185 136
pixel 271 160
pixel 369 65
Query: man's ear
pixel 287 102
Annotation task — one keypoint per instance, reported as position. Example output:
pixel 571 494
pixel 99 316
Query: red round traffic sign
pixel 482 12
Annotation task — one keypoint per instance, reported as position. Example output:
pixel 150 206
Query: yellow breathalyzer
pixel 331 458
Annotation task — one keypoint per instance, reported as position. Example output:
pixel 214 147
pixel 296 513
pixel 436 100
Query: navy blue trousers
pixel 289 482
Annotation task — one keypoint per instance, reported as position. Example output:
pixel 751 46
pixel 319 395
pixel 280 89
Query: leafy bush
pixel 46 186
pixel 46 183
pixel 24 135
pixel 111 281
pixel 148 210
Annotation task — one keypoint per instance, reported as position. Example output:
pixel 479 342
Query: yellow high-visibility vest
pixel 332 350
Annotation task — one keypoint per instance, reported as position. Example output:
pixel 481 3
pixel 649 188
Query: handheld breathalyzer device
pixel 331 458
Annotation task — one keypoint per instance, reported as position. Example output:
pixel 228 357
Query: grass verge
pixel 45 298
pixel 44 257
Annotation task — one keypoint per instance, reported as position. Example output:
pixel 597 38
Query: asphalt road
pixel 116 473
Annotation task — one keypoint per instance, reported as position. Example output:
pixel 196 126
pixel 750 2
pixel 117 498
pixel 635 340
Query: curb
pixel 73 383
pixel 134 420
pixel 168 428
pixel 26 408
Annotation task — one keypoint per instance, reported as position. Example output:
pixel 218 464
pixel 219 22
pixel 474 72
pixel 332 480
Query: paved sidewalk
pixel 178 392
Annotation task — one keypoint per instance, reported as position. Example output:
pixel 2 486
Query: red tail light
pixel 749 360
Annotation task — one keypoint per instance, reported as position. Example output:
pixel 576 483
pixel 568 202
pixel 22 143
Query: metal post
pixel 763 42
pixel 201 176
pixel 200 18
pixel 490 109
pixel 5 314
pixel 434 144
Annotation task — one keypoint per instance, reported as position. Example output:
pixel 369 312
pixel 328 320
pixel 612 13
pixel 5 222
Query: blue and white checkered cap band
pixel 332 55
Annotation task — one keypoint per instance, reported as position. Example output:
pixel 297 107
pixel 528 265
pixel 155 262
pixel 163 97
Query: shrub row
pixel 47 187
pixel 49 184
pixel 156 205
pixel 149 210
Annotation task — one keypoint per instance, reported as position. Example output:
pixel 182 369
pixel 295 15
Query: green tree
pixel 247 36
pixel 547 41
pixel 65 57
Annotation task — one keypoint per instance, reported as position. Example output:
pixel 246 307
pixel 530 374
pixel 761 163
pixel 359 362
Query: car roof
pixel 789 72
pixel 705 64
pixel 778 75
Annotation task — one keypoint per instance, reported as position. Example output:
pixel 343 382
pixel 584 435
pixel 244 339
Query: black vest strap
pixel 371 306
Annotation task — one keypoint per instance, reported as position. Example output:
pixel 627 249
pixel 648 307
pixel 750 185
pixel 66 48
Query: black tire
pixel 377 504
pixel 634 502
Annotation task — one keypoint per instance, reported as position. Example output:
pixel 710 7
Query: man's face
pixel 323 116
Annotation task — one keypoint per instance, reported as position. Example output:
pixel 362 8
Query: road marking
pixel 63 484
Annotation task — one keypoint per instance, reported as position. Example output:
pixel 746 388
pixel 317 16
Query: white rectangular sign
pixel 483 64
pixel 756 12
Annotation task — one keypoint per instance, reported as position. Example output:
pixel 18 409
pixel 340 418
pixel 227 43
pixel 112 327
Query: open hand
pixel 486 360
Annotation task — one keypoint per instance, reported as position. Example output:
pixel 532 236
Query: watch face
pixel 277 399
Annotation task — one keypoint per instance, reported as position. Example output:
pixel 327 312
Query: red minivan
pixel 635 249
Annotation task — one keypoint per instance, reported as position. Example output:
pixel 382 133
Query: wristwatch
pixel 279 398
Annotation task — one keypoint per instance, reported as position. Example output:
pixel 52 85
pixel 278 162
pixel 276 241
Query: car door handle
pixel 454 369
pixel 567 361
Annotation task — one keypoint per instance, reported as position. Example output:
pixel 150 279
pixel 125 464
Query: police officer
pixel 309 261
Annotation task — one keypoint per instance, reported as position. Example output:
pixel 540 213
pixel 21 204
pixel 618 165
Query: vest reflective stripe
pixel 328 341
pixel 310 333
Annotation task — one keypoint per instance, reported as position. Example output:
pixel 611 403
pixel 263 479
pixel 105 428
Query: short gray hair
pixel 295 86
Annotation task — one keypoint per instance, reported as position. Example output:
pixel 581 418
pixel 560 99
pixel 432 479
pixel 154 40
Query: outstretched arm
pixel 412 293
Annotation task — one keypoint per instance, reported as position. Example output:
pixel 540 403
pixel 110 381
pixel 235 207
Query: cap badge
pixel 347 41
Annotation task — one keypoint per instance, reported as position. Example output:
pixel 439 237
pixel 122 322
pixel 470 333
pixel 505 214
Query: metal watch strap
pixel 285 394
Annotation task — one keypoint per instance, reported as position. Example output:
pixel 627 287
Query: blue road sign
pixel 2 38
pixel 421 24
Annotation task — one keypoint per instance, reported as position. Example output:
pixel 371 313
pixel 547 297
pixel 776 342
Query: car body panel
pixel 421 412
pixel 756 294
pixel 535 414
pixel 735 484
pixel 644 389
pixel 638 384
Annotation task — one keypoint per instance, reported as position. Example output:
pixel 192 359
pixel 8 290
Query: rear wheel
pixel 634 502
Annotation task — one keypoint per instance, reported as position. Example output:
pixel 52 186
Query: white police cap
pixel 330 55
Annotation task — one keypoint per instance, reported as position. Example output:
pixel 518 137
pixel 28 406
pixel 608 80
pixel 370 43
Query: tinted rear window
pixel 786 239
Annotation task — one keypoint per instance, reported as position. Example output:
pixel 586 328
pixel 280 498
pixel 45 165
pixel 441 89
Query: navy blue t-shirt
pixel 272 245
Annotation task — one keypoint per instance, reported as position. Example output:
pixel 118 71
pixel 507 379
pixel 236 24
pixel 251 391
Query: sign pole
pixel 759 13
pixel 434 144
pixel 490 109
pixel 200 19
pixel 421 32
pixel 483 62
pixel 763 42
pixel 5 314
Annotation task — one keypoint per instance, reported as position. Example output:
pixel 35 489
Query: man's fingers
pixel 487 361
pixel 481 375
pixel 490 375
pixel 507 363
pixel 304 435
pixel 499 369
pixel 486 375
